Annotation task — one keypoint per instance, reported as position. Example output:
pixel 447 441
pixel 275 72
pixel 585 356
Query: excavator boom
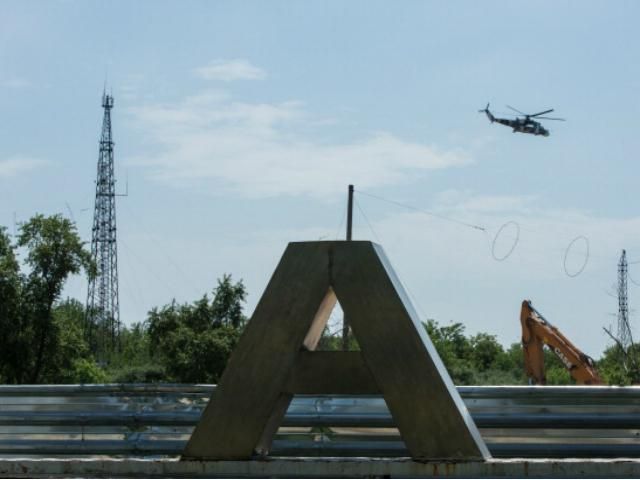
pixel 537 332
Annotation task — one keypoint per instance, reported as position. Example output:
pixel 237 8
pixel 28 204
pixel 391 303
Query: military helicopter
pixel 524 124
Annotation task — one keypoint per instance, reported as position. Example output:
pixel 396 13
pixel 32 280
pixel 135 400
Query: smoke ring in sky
pixel 566 254
pixel 515 241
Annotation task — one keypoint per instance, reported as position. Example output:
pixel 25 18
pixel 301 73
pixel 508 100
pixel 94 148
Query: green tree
pixel 228 298
pixel 620 367
pixel 54 251
pixel 476 360
pixel 454 349
pixel 333 342
pixel 42 338
pixel 70 360
pixel 485 351
pixel 11 340
pixel 133 362
pixel 193 342
pixel 513 362
pixel 555 371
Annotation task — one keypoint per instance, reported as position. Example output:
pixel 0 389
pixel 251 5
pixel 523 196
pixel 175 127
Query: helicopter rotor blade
pixel 542 113
pixel 516 110
pixel 552 118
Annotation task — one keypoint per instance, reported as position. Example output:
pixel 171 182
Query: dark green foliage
pixel 454 350
pixel 194 341
pixel 513 362
pixel 43 340
pixel 481 360
pixel 620 367
pixel 35 345
pixel 333 342
pixel 228 298
pixel 555 371
pixel 54 251
pixel 485 351
pixel 70 361
pixel 13 334
pixel 476 360
pixel 146 373
pixel 132 362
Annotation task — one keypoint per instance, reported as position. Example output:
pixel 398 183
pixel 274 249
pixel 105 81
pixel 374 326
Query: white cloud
pixel 16 165
pixel 230 70
pixel 257 150
pixel 467 201
pixel 14 82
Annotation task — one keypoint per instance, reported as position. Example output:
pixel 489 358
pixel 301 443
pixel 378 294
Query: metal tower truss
pixel 624 329
pixel 103 311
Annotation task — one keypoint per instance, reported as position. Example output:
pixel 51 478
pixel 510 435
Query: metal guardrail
pixel 157 420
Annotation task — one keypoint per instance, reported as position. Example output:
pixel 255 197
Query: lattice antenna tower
pixel 103 309
pixel 624 329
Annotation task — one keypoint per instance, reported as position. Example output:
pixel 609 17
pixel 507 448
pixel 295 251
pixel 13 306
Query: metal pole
pixel 350 213
pixel 345 324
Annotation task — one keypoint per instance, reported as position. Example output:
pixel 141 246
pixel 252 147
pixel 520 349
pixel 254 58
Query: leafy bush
pixel 193 342
pixel 138 374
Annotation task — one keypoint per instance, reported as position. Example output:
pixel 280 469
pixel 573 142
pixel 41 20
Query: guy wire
pixel 492 243
pixel 425 212
pixel 367 221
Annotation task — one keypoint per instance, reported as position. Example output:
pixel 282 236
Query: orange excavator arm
pixel 537 332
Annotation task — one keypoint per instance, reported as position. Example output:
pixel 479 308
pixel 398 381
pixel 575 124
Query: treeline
pixel 43 337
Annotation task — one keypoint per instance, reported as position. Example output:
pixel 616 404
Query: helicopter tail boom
pixel 489 114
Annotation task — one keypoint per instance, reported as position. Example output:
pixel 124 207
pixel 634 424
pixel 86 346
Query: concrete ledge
pixel 317 467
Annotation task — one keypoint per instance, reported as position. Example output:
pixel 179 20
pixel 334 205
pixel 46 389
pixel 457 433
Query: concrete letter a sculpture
pixel 275 359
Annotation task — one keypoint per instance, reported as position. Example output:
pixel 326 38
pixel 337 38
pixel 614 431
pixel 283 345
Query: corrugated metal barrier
pixel 156 420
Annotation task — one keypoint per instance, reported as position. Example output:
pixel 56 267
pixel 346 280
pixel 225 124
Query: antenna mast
pixel 624 330
pixel 103 309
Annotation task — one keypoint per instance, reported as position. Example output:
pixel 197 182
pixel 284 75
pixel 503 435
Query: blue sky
pixel 239 125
